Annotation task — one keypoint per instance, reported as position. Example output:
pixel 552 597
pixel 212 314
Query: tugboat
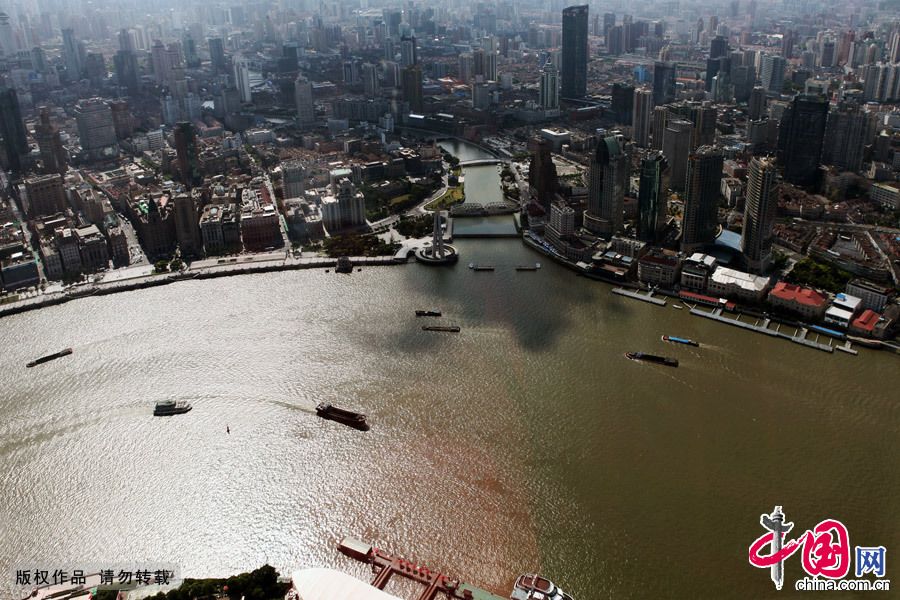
pixel 659 360
pixel 344 265
pixel 428 313
pixel 528 267
pixel 475 267
pixel 49 357
pixel 449 329
pixel 167 408
pixel 345 417
pixel 678 340
pixel 535 587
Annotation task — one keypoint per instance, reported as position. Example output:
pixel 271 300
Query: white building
pixel 242 78
pixel 842 310
pixel 344 208
pixel 886 195
pixel 738 285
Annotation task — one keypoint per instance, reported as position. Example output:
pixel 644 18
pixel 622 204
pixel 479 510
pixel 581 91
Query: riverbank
pixel 204 269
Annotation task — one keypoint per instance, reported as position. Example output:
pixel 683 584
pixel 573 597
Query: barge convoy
pixel 652 358
pixel 49 357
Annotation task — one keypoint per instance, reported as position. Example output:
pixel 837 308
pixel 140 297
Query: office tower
pixel 94 68
pixel 542 174
pixel 615 37
pixel 641 113
pixel 370 80
pixel 676 148
pixel 787 43
pixel 772 73
pixel 827 54
pixel 606 188
pixel 189 49
pixel 392 18
pixel 701 198
pixel 46 195
pixel 663 82
pixel 187 226
pixel 609 21
pixel 800 137
pixel 622 103
pixel 73 54
pixel 411 78
pixel 216 54
pixel 627 33
pixel 96 130
pixel 703 117
pixel 718 47
pixel 53 154
pixel 306 111
pixel 466 67
pixel 159 61
pixel 242 78
pixel 549 87
pixel 652 200
pixel 12 128
pixel 391 74
pixel 490 65
pixel 757 104
pixel 293 179
pixel 574 51
pixel 845 137
pixel 186 153
pixel 125 64
pixel 660 120
pixel 8 46
pixel 408 53
pixel 760 207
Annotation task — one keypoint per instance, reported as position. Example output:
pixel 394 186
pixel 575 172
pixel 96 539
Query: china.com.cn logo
pixel 825 553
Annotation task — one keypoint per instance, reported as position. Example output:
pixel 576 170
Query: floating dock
pixel 385 566
pixel 643 297
pixel 763 328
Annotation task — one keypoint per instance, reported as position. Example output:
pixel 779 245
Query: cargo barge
pixel 651 358
pixel 428 313
pixel 447 329
pixel 475 267
pixel 345 417
pixel 49 357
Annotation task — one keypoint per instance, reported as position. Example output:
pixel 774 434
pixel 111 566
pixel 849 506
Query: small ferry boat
pixel 166 408
pixel 344 265
pixel 345 417
pixel 450 328
pixel 659 360
pixel 428 313
pixel 678 340
pixel 529 268
pixel 49 357
pixel 535 587
pixel 677 306
pixel 475 267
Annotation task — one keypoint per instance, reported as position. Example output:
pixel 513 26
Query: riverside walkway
pixel 798 338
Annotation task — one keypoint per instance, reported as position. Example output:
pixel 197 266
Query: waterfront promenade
pixel 123 280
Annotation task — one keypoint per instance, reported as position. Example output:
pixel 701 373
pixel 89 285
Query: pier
pixel 643 297
pixel 385 566
pixel 800 337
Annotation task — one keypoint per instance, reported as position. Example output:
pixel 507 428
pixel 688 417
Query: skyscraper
pixel 606 188
pixel 622 103
pixel 663 82
pixel 660 120
pixel 126 65
pixel 187 226
pixel 652 201
pixel 73 54
pixel 370 80
pixel 306 113
pixel 772 73
pixel 411 79
pixel 549 87
pixel 542 174
pixel 186 152
pixel 574 51
pixel 408 53
pixel 217 54
pixel 7 39
pixel 96 129
pixel 676 148
pixel 12 128
pixel 701 198
pixel 242 78
pixel 759 214
pixel 757 103
pixel 845 137
pixel 53 154
pixel 641 113
pixel 800 137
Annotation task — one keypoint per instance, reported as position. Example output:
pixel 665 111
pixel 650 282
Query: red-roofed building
pixel 803 301
pixel 865 323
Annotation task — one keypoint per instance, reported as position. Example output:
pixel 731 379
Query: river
pixel 525 442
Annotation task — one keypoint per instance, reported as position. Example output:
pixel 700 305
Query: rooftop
pixel 726 276
pixel 328 584
pixel 790 292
